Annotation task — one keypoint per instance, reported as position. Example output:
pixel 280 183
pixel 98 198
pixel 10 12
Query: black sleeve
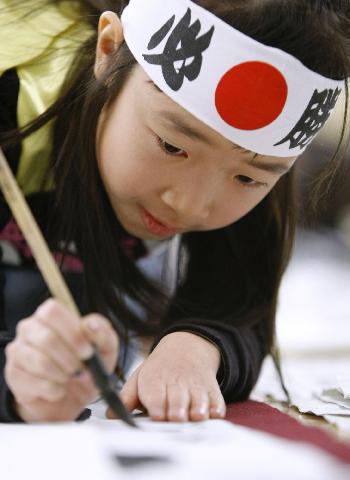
pixel 242 352
pixel 7 413
pixel 9 89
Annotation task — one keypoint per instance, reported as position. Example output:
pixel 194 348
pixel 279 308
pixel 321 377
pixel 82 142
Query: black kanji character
pixel 313 119
pixel 191 48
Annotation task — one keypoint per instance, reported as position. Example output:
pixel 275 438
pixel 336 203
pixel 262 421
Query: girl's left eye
pixel 249 182
pixel 170 149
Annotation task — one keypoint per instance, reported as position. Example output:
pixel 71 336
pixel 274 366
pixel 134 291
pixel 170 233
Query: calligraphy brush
pixel 106 383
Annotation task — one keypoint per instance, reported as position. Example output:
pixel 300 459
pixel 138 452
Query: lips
pixel 156 227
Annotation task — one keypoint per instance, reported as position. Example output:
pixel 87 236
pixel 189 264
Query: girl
pixel 172 123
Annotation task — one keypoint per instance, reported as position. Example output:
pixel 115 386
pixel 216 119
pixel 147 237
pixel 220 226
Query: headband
pixel 259 97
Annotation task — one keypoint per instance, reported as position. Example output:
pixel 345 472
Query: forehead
pixel 163 110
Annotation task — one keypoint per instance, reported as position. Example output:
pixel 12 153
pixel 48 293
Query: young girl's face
pixel 166 172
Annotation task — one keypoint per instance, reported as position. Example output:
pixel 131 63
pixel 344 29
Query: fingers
pixel 36 363
pixel 42 338
pixel 129 393
pixel 194 404
pixel 178 403
pixel 199 408
pixel 29 388
pixel 217 405
pixel 66 326
pixel 174 402
pixel 99 331
pixel 153 396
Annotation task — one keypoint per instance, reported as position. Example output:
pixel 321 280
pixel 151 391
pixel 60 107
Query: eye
pixel 249 182
pixel 245 180
pixel 170 149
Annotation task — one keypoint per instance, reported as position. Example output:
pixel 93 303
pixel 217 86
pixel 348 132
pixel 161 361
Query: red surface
pixel 263 417
pixel 251 95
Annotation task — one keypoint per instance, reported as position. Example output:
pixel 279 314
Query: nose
pixel 191 204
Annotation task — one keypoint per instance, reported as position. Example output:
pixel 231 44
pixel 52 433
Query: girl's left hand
pixel 177 382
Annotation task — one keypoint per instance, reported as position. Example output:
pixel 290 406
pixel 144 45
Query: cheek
pixel 236 205
pixel 124 164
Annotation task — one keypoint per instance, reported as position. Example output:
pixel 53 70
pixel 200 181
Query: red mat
pixel 263 417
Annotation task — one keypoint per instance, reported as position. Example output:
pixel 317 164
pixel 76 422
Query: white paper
pixel 306 380
pixel 341 422
pixel 203 451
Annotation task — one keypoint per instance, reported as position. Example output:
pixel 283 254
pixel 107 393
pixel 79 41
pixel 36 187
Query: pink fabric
pixel 12 234
pixel 263 417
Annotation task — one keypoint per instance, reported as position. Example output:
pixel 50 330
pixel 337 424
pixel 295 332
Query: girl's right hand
pixel 43 360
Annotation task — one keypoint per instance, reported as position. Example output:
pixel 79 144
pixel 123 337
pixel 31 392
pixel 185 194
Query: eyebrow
pixel 182 127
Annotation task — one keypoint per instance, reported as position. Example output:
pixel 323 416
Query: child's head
pixel 203 180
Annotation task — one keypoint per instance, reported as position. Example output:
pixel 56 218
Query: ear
pixel 110 37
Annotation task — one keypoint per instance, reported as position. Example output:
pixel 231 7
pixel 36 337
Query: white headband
pixel 259 97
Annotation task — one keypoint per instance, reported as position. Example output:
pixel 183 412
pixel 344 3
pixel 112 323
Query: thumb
pixel 129 395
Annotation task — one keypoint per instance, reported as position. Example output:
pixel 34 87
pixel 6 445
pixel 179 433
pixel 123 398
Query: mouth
pixel 156 227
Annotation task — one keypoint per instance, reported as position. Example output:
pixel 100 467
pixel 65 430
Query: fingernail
pixel 86 351
pixel 157 413
pixel 182 413
pixel 217 412
pixel 93 324
pixel 179 415
pixel 202 411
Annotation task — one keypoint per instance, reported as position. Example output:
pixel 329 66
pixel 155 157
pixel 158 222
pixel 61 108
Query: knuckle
pixel 102 330
pixel 99 324
pixel 49 309
pixel 10 349
pixel 22 327
pixel 47 338
pixel 41 363
pixel 53 391
pixel 9 373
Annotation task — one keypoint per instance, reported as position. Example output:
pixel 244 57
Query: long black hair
pixel 232 274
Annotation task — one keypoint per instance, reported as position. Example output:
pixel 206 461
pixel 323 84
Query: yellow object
pixel 40 41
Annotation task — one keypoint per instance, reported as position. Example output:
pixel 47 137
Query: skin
pixel 177 381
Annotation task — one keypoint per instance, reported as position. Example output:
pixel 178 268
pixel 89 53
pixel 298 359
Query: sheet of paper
pixel 335 396
pixel 107 450
pixel 306 378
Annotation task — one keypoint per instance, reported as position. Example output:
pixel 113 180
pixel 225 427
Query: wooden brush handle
pixel 34 237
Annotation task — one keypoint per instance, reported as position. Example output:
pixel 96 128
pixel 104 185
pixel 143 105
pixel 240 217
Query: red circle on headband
pixel 251 95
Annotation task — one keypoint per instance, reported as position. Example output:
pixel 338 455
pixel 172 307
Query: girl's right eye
pixel 169 149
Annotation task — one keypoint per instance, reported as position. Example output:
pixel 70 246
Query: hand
pixel 43 359
pixel 177 382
